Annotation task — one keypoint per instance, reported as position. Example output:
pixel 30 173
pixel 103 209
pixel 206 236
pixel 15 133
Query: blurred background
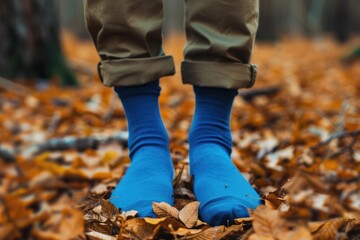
pixel 30 40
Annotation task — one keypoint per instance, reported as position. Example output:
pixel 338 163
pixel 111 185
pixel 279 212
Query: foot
pixel 148 180
pixel 149 177
pixel 221 189
pixel 224 194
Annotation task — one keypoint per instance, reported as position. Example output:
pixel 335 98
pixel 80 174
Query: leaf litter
pixel 296 137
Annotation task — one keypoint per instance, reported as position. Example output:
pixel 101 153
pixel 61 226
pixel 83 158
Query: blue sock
pixel 224 194
pixel 149 177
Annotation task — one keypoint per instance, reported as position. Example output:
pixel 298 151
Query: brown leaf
pixel 138 228
pixel 231 232
pixel 154 221
pixel 189 214
pixel 99 189
pixel 166 227
pixel 269 225
pixel 243 220
pixel 72 224
pixel 177 178
pixel 302 181
pixel 129 214
pixel 209 233
pixel 163 209
pixel 102 228
pixel 186 232
pixel 8 231
pixel 200 223
pixel 272 201
pixel 327 230
pixel 44 179
pixel 108 210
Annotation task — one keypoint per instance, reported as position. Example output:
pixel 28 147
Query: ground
pixel 295 137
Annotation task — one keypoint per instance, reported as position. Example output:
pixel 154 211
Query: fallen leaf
pixel 269 225
pixel 129 214
pixel 154 221
pixel 231 232
pixel 243 220
pixel 99 189
pixel 327 230
pixel 163 209
pixel 185 232
pixel 139 228
pixel 178 177
pixel 302 181
pixel 209 233
pixel 108 210
pixel 189 214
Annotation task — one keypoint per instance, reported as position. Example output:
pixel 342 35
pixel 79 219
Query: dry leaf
pixel 108 210
pixel 243 220
pixel 163 209
pixel 154 221
pixel 200 223
pixel 189 214
pixel 129 214
pixel 99 189
pixel 46 235
pixel 269 225
pixel 177 178
pixel 140 228
pixel 231 232
pixel 272 201
pixel 302 181
pixel 8 231
pixel 185 232
pixel 327 230
pixel 71 224
pixel 209 233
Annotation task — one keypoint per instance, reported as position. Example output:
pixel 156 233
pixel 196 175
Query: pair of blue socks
pixel 224 194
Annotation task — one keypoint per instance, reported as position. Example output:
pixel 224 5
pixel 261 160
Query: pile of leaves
pixel 296 137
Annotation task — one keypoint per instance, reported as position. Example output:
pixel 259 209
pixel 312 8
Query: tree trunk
pixel 30 48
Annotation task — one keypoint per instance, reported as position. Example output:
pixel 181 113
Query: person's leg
pixel 220 37
pixel 127 35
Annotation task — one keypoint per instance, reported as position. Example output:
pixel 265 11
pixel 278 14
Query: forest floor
pixel 296 137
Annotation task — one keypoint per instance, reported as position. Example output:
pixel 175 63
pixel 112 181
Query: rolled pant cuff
pixel 135 71
pixel 218 74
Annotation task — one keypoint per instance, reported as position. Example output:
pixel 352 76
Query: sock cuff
pixel 222 93
pixel 151 88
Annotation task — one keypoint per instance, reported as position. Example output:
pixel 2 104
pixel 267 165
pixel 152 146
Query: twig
pixel 80 144
pixel 7 155
pixel 336 136
pixel 13 87
pixel 67 143
pixel 248 95
pixel 348 148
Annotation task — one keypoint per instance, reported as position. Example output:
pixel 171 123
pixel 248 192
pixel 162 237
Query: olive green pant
pixel 220 37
